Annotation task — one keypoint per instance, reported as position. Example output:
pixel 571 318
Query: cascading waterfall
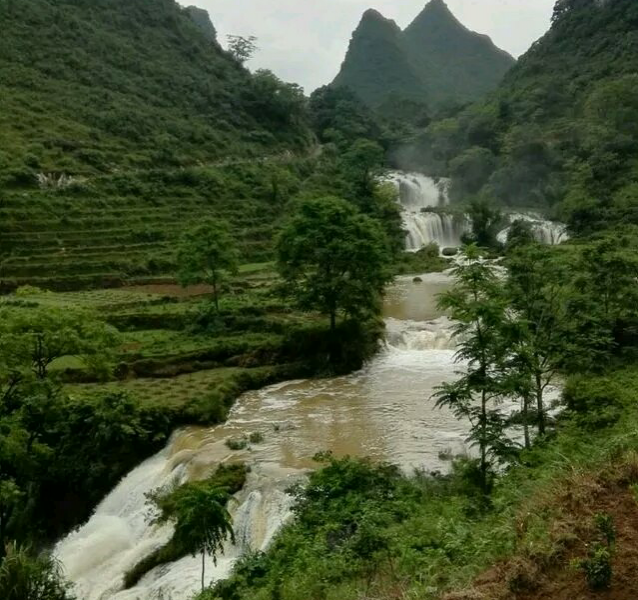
pixel 545 232
pixel 427 227
pixel 119 535
pixel 417 193
pixel 385 411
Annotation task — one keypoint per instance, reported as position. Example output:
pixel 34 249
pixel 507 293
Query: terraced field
pixel 170 353
pixel 124 228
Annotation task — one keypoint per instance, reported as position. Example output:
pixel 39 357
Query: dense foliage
pixel 335 260
pixel 367 529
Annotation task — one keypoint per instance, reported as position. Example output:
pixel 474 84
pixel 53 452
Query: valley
pixel 375 341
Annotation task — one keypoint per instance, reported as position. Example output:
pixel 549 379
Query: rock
pixel 417 280
pixel 450 251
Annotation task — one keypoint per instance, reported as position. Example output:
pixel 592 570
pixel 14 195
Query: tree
pixel 24 577
pixel 486 222
pixel 519 234
pixel 202 523
pixel 363 164
pixel 268 97
pixel 241 48
pixel 608 271
pixel 540 334
pixel 31 340
pixel 478 307
pixel 334 259
pixel 207 254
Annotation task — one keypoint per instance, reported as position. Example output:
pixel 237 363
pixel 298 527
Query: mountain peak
pixel 374 21
pixel 436 14
pixel 435 60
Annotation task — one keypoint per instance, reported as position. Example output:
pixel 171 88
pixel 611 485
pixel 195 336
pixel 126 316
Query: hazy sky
pixel 305 41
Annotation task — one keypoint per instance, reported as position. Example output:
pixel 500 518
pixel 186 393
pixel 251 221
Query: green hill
pixel 97 85
pixel 436 60
pixel 121 124
pixel 561 130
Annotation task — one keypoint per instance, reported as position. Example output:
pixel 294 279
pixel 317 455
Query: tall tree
pixel 478 308
pixel 540 324
pixel 207 254
pixel 334 259
pixel 198 512
pixel 30 341
pixel 608 271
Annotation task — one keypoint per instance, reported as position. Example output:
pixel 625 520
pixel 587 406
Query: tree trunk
pixel 203 569
pixel 540 404
pixel 528 443
pixel 484 442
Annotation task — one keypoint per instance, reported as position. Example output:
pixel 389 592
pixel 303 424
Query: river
pixel 385 411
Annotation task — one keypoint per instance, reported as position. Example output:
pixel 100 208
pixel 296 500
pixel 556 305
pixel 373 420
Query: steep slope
pixel 122 123
pixel 562 129
pixel 201 18
pixel 377 62
pixel 92 85
pixel 435 60
pixel 455 63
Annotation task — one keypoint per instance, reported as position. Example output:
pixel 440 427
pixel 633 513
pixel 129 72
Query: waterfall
pixel 119 534
pixel 545 232
pixel 418 192
pixel 427 227
pixel 420 335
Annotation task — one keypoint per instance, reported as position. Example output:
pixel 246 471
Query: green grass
pixel 172 392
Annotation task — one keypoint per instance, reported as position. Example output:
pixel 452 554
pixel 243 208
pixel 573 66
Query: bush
pixel 237 443
pixel 25 577
pixel 256 437
pixel 597 567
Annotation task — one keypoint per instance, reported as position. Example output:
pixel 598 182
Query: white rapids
pixel 385 411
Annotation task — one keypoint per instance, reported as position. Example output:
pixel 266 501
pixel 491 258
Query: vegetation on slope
pixel 560 130
pixel 94 87
pixel 436 61
pixel 528 501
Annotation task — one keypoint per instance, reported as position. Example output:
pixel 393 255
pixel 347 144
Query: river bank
pixel 383 411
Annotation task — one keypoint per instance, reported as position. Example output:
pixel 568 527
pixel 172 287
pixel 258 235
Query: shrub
pixel 24 577
pixel 237 443
pixel 256 437
pixel 597 567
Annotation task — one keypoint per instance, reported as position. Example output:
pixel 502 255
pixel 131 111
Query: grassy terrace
pixel 173 354
pixel 122 228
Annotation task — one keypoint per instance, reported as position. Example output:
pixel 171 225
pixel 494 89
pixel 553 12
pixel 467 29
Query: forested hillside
pixel 120 124
pixel 95 86
pixel 561 130
pixel 436 60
